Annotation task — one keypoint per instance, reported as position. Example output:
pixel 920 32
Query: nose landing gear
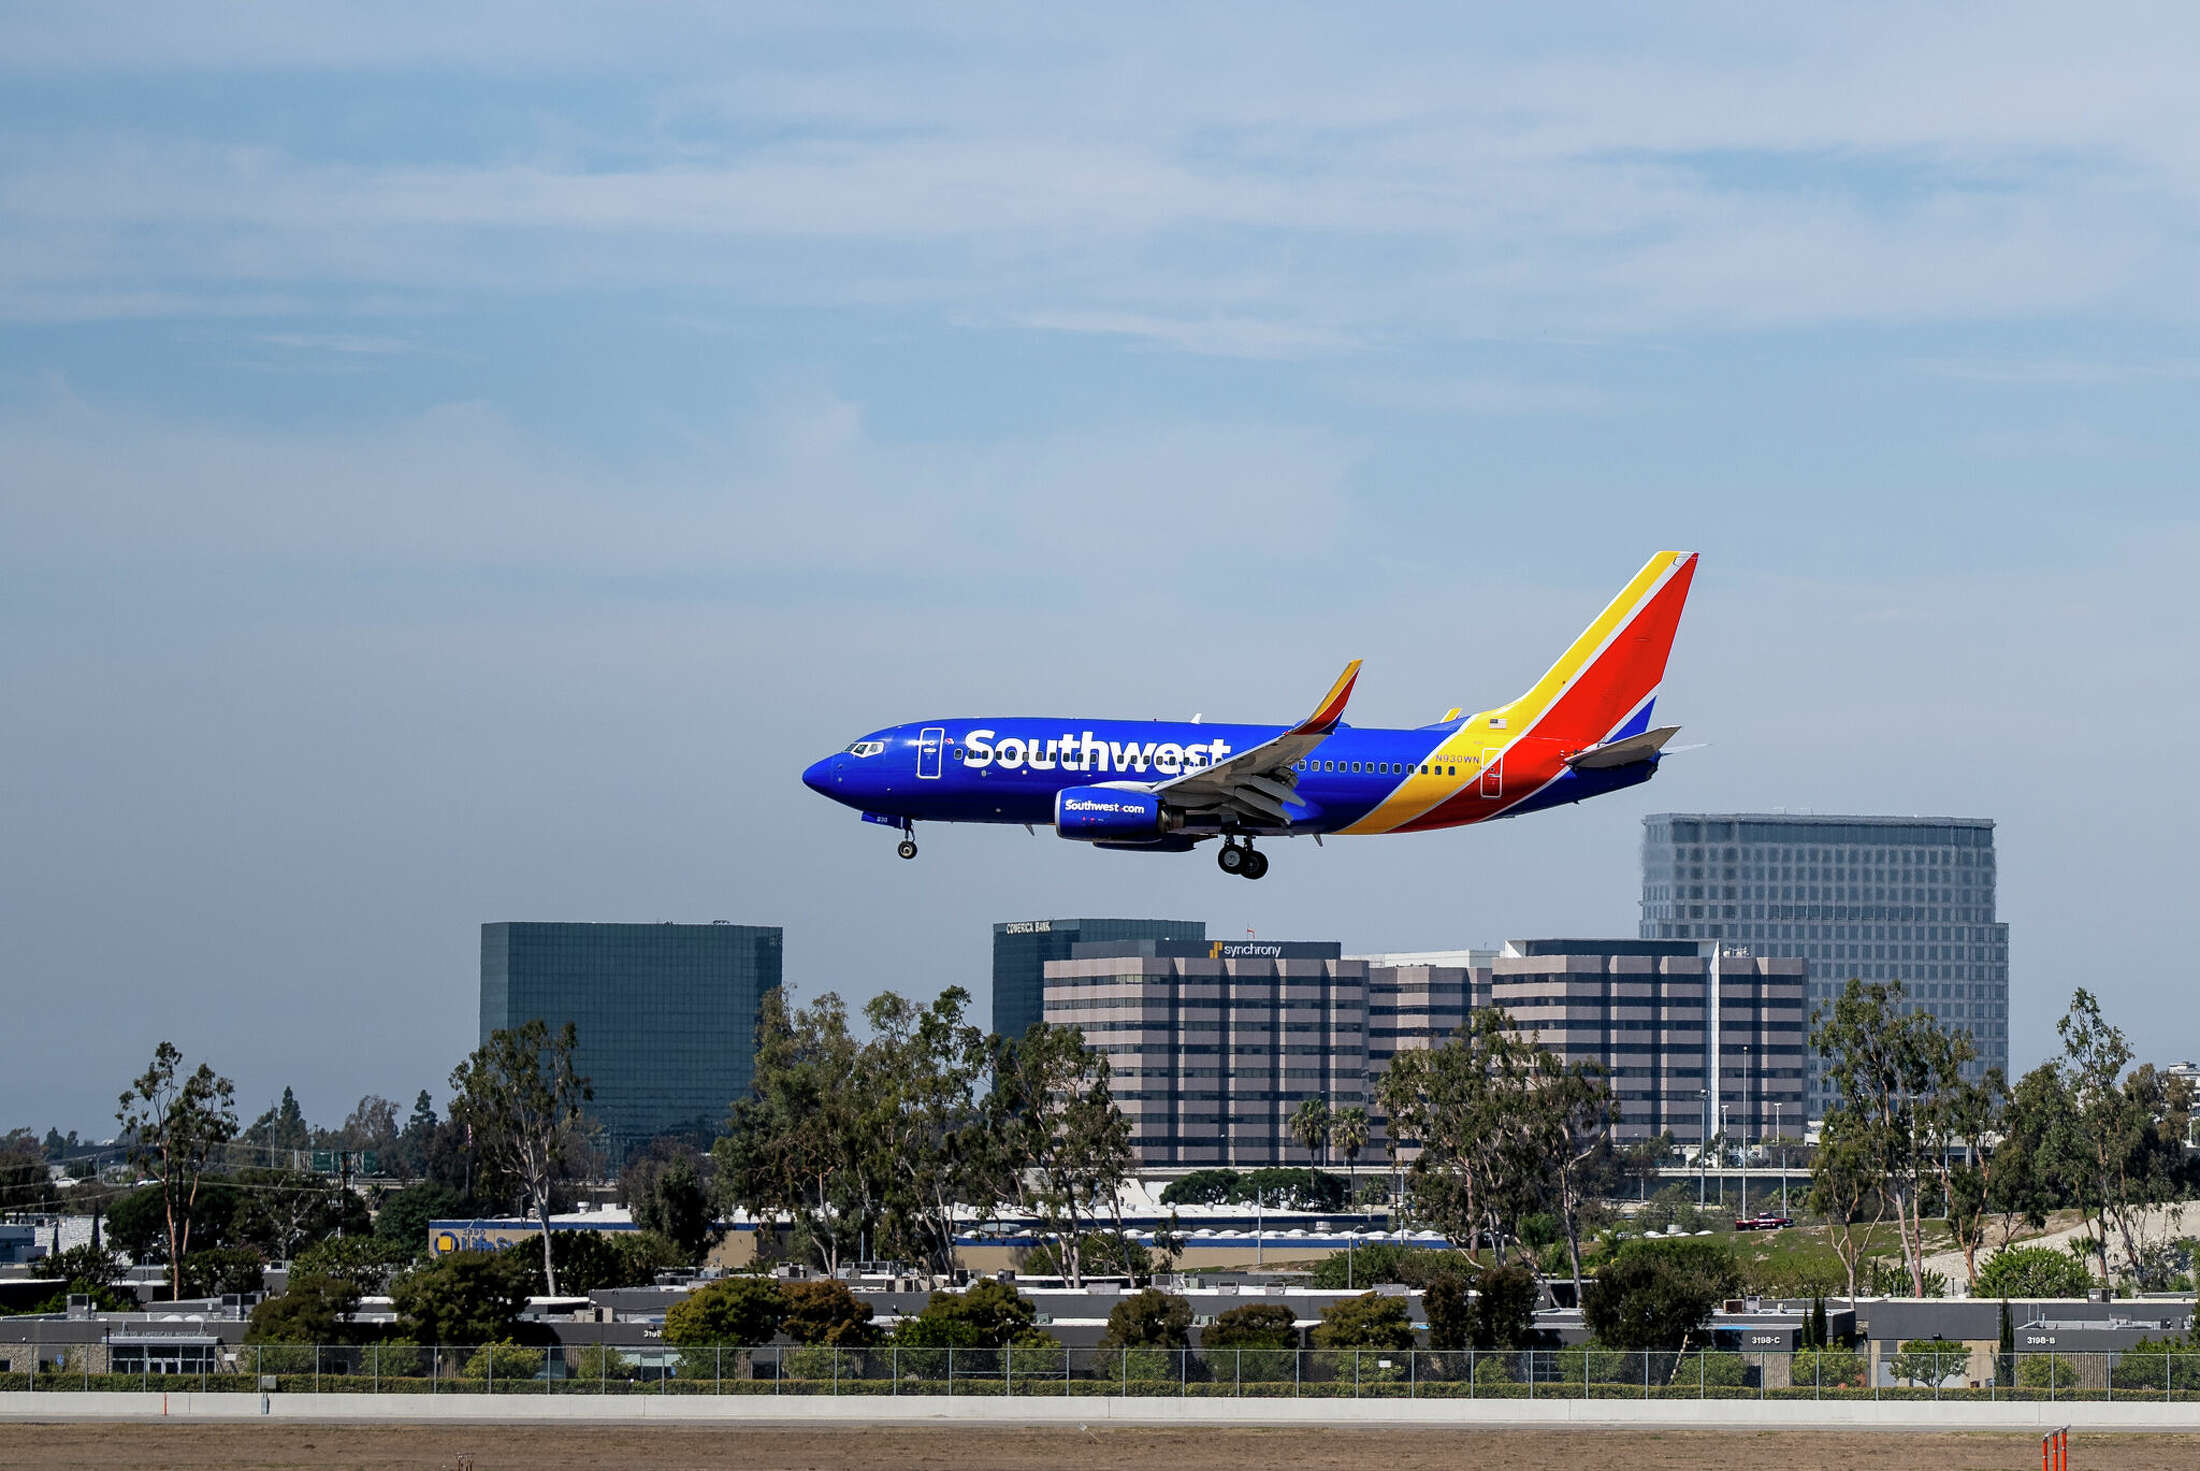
pixel 1243 860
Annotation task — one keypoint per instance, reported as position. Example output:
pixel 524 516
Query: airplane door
pixel 931 741
pixel 1493 772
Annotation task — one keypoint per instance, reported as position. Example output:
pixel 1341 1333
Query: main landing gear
pixel 907 847
pixel 1243 860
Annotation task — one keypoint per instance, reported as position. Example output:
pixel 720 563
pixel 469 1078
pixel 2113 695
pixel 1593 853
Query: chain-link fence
pixel 1051 1370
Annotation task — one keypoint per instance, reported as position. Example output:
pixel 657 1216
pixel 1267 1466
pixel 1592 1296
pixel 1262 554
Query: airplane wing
pixel 1262 783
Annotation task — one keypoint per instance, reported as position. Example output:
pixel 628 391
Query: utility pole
pixel 1780 1142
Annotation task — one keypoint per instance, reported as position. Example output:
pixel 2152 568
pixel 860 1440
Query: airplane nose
pixel 819 778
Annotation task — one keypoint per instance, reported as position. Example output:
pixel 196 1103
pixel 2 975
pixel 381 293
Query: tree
pixel 281 1212
pixel 1891 1068
pixel 1063 1141
pixel 372 1125
pixel 280 1134
pixel 177 1125
pixel 1201 1187
pixel 2033 1271
pixel 1464 1104
pixel 827 1314
pixel 1967 1130
pixel 519 1094
pixel 1505 1299
pixel 1569 1119
pixel 800 1147
pixel 1149 1319
pixel 1310 1127
pixel 1450 1312
pixel 2122 1143
pixel 1255 1325
pixel 1348 1137
pixel 1372 1320
pixel 403 1216
pixel 939 1143
pixel 738 1312
pixel 414 1143
pixel 90 1271
pixel 312 1309
pixel 1925 1361
pixel 990 1314
pixel 673 1201
pixel 1652 1296
pixel 366 1262
pixel 216 1271
pixel 464 1297
pixel 25 1184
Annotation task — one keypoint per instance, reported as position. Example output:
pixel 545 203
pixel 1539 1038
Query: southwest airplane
pixel 1166 786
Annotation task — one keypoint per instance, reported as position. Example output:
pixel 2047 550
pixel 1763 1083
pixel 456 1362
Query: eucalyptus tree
pixel 175 1124
pixel 939 1146
pixel 1890 1066
pixel 2123 1146
pixel 802 1147
pixel 1462 1104
pixel 1569 1109
pixel 519 1094
pixel 1064 1143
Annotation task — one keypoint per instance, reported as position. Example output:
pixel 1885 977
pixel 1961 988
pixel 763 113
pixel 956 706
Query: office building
pixel 1692 1038
pixel 1214 1045
pixel 665 1014
pixel 1907 899
pixel 1021 950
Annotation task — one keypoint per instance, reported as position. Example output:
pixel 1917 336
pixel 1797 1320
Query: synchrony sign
pixel 1085 752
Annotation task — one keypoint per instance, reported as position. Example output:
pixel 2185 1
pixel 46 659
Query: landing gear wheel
pixel 1256 864
pixel 1232 858
pixel 907 848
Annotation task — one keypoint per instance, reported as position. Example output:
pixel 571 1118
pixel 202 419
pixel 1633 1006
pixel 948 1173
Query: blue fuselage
pixel 1010 769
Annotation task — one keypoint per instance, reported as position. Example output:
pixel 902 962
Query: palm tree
pixel 1310 1126
pixel 1348 1136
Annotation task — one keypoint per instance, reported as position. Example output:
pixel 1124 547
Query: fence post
pixel 488 1353
pixel 1413 1373
pixel 317 1368
pixel 893 1366
pixel 378 1368
pixel 1699 1375
pixel 1356 1372
pixel 1237 1372
pixel 1646 1373
pixel 1123 1373
pixel 951 1370
pixel 1298 1370
pixel 779 1371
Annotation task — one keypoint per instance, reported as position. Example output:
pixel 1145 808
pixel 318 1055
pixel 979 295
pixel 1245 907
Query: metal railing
pixel 1051 1370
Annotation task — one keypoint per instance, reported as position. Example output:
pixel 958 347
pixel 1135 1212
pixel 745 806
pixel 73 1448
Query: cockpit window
pixel 866 748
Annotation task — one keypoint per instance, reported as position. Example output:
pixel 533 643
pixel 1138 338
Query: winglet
pixel 1331 709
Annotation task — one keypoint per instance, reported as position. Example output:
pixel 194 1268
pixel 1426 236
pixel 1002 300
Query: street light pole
pixel 1780 1143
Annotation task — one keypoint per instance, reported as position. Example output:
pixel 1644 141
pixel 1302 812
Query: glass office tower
pixel 1022 948
pixel 1907 899
pixel 665 1014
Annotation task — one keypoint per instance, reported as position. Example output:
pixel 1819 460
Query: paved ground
pixel 266 1447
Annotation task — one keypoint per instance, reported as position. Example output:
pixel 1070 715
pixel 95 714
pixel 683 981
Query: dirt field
pixel 679 1448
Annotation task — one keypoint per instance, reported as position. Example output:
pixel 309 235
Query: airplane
pixel 1160 786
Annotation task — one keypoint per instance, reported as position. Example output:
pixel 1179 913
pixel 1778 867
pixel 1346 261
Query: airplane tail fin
pixel 1602 688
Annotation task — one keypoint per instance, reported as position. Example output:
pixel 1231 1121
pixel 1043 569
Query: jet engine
pixel 1111 814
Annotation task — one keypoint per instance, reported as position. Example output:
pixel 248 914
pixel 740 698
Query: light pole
pixel 1722 1156
pixel 1749 1113
pixel 1703 1144
pixel 1780 1144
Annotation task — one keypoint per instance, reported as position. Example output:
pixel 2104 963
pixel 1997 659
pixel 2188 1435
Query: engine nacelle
pixel 1095 814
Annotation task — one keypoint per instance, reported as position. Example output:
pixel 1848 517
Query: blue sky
pixel 459 463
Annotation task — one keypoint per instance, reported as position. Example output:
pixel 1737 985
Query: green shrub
pixel 2033 1271
pixel 2046 1371
pixel 740 1311
pixel 1928 1361
pixel 2154 1363
pixel 1371 1320
pixel 1149 1319
pixel 506 1360
pixel 1828 1368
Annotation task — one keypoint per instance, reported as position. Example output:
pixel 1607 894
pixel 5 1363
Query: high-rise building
pixel 1214 1045
pixel 1907 899
pixel 1642 1011
pixel 1022 948
pixel 665 1014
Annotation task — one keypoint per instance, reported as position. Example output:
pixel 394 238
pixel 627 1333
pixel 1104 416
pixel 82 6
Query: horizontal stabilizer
pixel 1626 752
